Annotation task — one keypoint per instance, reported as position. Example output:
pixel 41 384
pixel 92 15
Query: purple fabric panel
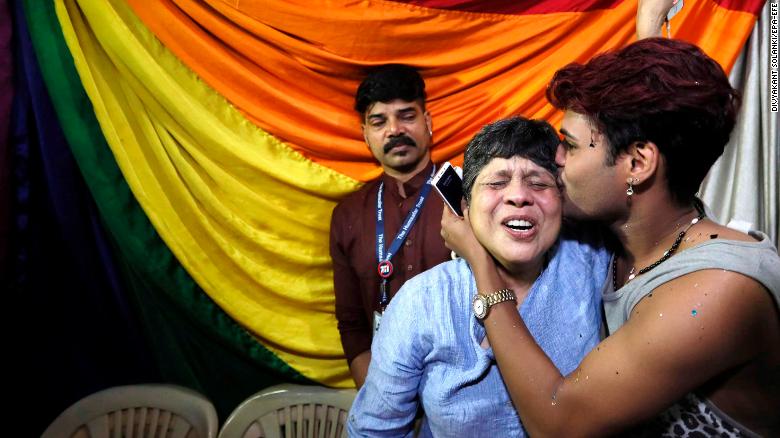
pixel 84 334
pixel 61 177
pixel 6 96
pixel 19 158
pixel 47 172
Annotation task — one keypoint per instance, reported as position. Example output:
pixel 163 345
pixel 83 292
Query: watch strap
pixel 500 296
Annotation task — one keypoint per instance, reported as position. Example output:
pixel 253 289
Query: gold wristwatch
pixel 482 303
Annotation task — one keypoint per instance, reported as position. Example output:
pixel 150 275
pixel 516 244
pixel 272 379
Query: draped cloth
pixel 743 184
pixel 292 66
pixel 64 278
pixel 232 127
pixel 6 96
pixel 226 200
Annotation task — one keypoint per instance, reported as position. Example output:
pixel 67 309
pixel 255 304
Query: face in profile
pixel 515 210
pixel 592 189
pixel 398 133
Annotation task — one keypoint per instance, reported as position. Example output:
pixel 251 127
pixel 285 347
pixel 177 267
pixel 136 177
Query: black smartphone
pixel 450 186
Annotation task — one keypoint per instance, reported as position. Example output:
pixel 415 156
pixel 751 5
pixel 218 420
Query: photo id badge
pixel 377 320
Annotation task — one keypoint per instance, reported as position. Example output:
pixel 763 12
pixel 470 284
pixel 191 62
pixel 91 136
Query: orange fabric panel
pixel 292 67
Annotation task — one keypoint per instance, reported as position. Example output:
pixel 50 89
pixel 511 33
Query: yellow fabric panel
pixel 246 215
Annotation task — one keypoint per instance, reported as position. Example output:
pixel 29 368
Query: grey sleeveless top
pixel 757 260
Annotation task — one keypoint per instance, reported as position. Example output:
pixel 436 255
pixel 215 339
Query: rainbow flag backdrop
pixel 214 138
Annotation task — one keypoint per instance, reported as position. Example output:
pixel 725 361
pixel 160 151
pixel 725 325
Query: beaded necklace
pixel 668 253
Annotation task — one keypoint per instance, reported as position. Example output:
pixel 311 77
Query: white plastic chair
pixel 138 411
pixel 291 411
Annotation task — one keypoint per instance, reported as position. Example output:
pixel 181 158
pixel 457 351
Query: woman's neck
pixel 520 278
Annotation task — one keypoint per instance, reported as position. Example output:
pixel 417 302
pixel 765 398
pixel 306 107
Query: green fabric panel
pixel 197 344
pixel 191 355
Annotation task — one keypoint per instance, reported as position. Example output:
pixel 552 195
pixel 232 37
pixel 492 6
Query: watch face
pixel 479 307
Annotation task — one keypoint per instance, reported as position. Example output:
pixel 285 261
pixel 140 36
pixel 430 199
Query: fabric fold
pixel 292 66
pixel 244 214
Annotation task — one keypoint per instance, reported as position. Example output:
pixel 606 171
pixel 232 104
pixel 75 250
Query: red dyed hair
pixel 660 90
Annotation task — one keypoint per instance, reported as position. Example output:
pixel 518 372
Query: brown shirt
pixel 353 249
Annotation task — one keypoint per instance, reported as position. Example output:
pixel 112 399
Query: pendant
pixel 385 269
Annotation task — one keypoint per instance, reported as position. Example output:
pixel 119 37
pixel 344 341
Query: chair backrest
pixel 138 411
pixel 291 411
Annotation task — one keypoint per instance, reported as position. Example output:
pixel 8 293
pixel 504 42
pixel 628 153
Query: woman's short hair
pixel 660 90
pixel 535 140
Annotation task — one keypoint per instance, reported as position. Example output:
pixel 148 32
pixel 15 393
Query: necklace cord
pixel 667 254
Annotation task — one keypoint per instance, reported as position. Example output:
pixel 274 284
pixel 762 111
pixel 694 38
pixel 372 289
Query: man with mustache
pixel 388 231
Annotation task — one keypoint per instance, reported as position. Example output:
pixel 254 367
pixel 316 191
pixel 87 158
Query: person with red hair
pixel 691 306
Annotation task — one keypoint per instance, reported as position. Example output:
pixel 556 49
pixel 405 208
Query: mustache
pixel 402 139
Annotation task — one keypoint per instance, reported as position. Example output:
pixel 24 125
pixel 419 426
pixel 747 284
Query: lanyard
pixel 385 268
